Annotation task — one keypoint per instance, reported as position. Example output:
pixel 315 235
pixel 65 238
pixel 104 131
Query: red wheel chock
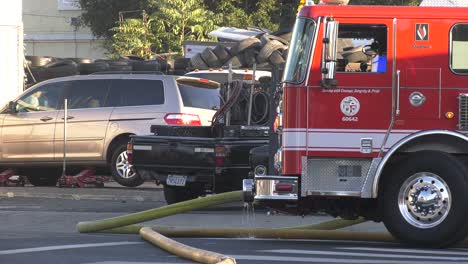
pixel 85 178
pixel 8 178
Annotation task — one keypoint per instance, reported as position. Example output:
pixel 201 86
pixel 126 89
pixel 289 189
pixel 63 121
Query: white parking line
pixel 330 260
pixel 341 253
pixel 132 262
pixel 401 250
pixel 51 248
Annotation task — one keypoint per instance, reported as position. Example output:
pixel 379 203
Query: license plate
pixel 176 180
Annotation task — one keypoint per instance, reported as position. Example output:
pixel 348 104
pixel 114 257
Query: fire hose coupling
pixel 247 190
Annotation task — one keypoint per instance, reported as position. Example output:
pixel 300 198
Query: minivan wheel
pixel 424 200
pixel 122 172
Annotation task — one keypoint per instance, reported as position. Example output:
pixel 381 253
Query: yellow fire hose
pixel 156 234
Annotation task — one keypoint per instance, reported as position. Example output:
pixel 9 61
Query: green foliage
pixel 102 15
pixel 164 30
pixel 265 13
pixel 135 37
pixel 172 21
pixel 231 15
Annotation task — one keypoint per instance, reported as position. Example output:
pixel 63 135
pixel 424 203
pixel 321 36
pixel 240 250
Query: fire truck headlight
pixel 279 160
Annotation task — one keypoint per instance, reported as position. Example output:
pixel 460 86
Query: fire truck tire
pixel 121 170
pixel 244 44
pixel 210 58
pixel 174 194
pixel 424 200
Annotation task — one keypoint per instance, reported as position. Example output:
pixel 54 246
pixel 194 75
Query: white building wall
pixel 11 51
pixel 461 3
pixel 49 30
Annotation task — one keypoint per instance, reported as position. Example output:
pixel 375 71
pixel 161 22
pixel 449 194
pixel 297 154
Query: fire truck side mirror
pixel 329 55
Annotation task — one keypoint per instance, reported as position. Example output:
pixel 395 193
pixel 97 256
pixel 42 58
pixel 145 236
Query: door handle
pixel 68 117
pixel 398 93
pixel 46 118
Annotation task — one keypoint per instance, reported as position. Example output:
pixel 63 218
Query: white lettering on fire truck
pixel 350 119
pixel 358 91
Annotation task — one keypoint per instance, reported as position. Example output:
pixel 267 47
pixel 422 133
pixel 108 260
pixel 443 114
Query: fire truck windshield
pixel 299 50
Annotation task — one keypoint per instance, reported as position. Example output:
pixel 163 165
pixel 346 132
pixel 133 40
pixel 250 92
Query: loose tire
pixel 89 68
pixel 151 65
pixel 198 62
pixel 235 61
pixel 222 53
pixel 210 58
pixel 244 44
pixel 121 171
pixel 39 61
pixel 424 200
pixel 43 177
pixel 174 194
pixel 276 58
pixel 268 49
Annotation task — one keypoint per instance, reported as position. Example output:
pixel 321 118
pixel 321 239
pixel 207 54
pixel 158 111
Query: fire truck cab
pixel 374 120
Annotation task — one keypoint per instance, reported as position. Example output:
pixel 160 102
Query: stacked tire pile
pixel 40 68
pixel 264 50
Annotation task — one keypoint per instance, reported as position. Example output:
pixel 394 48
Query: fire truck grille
pixel 334 176
pixel 463 115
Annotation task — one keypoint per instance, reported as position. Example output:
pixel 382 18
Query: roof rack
pixel 127 72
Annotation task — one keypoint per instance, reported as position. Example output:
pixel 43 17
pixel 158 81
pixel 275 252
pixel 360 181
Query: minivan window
pixel 44 98
pixel 459 64
pixel 193 96
pixel 136 92
pixel 87 94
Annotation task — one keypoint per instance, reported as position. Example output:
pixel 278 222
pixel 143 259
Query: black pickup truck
pixel 192 161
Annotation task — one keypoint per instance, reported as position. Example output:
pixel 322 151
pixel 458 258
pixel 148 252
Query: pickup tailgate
pixel 166 154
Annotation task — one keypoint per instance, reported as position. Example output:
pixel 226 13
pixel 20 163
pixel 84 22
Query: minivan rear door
pixel 200 99
pixel 88 118
pixel 139 102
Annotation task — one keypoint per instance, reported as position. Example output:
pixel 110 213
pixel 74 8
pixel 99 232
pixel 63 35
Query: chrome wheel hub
pixel 424 200
pixel 124 169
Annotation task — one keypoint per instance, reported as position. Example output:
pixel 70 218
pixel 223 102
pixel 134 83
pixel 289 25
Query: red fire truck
pixel 375 120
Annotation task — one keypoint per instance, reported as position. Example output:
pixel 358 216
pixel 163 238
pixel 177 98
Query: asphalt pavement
pixel 38 227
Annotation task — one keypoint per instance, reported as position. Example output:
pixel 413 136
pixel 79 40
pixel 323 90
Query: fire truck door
pixel 359 108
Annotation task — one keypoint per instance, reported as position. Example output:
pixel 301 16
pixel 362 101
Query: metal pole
pixel 275 78
pixel 65 118
pixel 252 87
pixel 228 94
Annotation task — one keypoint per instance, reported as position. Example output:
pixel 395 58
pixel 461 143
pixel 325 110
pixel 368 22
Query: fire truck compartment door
pixel 420 97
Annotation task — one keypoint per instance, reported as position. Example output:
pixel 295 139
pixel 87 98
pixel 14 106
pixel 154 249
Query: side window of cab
pixel 459 45
pixel 362 48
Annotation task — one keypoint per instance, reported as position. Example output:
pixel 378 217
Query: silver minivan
pixel 103 111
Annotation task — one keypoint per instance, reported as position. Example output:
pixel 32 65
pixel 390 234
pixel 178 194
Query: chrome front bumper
pixel 271 188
